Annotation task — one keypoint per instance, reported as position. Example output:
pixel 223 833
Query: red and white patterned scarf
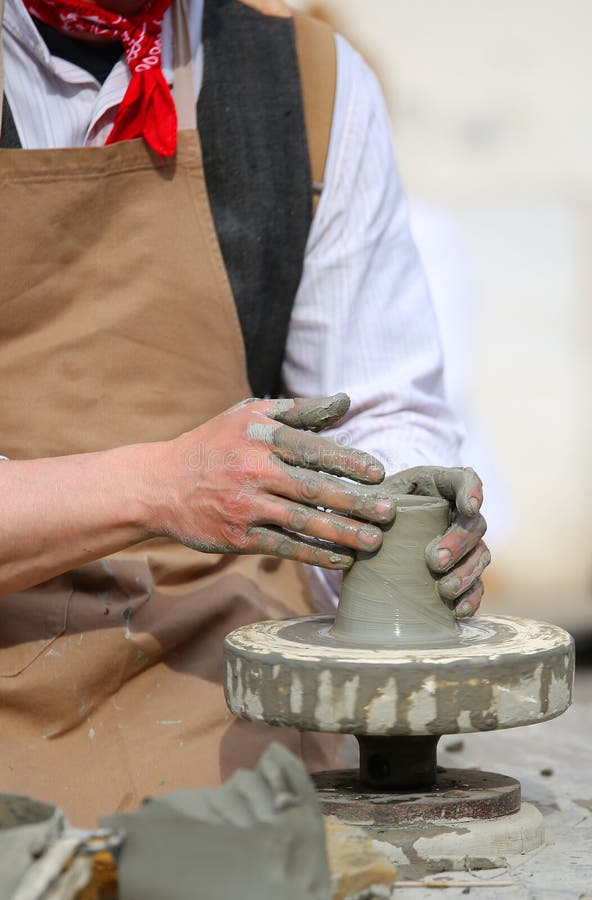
pixel 147 109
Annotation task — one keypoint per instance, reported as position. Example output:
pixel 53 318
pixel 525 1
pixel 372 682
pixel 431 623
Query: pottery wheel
pixel 503 672
pixel 394 667
pixel 457 794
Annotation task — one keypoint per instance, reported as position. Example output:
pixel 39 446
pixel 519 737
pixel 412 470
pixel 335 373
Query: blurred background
pixel 493 135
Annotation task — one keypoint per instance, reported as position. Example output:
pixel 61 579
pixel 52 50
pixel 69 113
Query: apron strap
pixel 183 83
pixel 317 58
pixel 1 69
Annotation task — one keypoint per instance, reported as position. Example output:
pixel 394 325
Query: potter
pixel 154 276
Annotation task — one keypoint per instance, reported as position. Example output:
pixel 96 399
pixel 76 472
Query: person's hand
pixel 460 556
pixel 252 480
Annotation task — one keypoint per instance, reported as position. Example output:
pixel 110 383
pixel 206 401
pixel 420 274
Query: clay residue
pixel 314 415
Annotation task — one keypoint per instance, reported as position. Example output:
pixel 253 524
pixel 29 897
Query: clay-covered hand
pixel 461 555
pixel 255 479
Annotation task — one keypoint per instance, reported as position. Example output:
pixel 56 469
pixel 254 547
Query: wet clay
pixel 389 598
pixel 314 415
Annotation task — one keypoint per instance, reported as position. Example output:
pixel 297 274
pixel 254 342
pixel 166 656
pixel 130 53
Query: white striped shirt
pixel 362 320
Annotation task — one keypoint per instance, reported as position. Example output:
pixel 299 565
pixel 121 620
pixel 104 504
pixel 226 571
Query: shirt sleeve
pixel 362 320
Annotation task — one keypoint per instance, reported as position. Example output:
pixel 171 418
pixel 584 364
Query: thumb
pixel 313 415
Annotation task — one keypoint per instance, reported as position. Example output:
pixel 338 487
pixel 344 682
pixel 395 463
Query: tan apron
pixel 118 326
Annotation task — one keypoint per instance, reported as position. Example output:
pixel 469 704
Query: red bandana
pixel 147 109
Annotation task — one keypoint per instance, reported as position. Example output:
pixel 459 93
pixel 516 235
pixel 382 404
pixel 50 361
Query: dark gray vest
pixel 251 125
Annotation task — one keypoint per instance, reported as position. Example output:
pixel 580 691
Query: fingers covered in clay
pixel 275 542
pixel 252 480
pixel 469 603
pixel 314 415
pixel 459 584
pixel 319 489
pixel 462 486
pixel 293 441
pixel 305 520
pixel 301 448
pixel 462 537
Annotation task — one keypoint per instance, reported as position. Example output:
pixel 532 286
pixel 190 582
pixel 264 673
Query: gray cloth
pixel 255 151
pixel 9 139
pixel 26 828
pixel 258 837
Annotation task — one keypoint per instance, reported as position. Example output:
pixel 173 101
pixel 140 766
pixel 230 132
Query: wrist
pixel 148 483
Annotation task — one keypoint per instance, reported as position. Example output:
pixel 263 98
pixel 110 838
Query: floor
pixel 553 761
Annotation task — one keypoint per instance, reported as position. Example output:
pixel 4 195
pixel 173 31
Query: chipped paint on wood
pixel 381 711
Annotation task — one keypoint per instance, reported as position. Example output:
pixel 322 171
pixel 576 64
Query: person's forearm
pixel 61 512
pixel 255 479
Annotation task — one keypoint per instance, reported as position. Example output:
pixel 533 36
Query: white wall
pixel 492 122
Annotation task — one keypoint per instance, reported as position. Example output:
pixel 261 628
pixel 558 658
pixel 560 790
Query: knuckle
pixel 475 592
pixel 482 564
pixel 309 487
pixel 297 518
pixel 365 498
pixel 236 516
pixel 368 537
pixel 258 540
pixel 485 557
pixel 281 436
pixel 481 526
pixel 469 530
pixel 232 534
pixel 235 506
pixel 353 459
pixel 284 547
pixel 468 603
pixel 332 458
pixel 450 588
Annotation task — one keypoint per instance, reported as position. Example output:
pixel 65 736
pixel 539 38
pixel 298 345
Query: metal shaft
pixel 398 763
